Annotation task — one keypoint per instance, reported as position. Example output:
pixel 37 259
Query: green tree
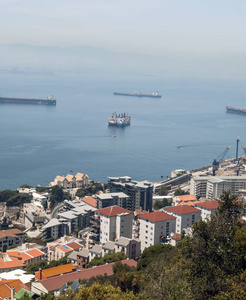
pixel 163 190
pixel 25 186
pixel 151 254
pixel 162 203
pixel 213 249
pixel 179 192
pixel 108 258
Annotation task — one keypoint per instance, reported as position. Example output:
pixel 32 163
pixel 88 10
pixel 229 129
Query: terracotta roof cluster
pixel 25 255
pixel 10 232
pixel 65 248
pixel 182 209
pixel 191 203
pixel 11 263
pixel 113 211
pixel 156 216
pixel 7 285
pixel 209 204
pixel 70 177
pixel 74 245
pixel 186 198
pixel 55 283
pixel 89 200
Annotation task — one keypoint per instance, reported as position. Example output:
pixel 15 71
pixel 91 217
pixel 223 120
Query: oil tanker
pixel 138 94
pixel 234 110
pixel 49 101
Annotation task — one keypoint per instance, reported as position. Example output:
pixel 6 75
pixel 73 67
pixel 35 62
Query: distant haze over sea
pixel 39 142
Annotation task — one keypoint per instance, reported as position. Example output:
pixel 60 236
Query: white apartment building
pixel 115 222
pixel 153 226
pixel 211 187
pixel 208 208
pixel 186 216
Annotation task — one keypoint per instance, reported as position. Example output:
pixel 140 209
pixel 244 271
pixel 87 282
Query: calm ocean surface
pixel 39 142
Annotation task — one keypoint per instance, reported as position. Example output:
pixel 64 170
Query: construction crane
pixel 219 159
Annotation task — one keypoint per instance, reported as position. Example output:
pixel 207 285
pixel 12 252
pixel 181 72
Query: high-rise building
pixel 140 192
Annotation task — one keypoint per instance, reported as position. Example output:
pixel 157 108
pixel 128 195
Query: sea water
pixel 38 142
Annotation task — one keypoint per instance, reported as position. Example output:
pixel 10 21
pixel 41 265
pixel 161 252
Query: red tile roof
pixel 210 204
pixel 26 255
pixel 156 216
pixel 55 283
pixel 65 249
pixel 6 285
pixel 10 232
pixel 113 211
pixel 187 198
pixel 89 200
pixel 12 263
pixel 58 270
pixel 74 245
pixel 183 209
pixel 176 236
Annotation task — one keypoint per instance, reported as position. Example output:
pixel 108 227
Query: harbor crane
pixel 219 159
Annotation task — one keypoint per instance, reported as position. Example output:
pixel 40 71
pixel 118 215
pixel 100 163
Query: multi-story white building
pixel 154 226
pixel 208 208
pixel 212 187
pixel 186 216
pixel 114 223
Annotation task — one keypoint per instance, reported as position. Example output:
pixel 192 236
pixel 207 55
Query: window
pixel 167 224
pixel 146 226
pixel 146 231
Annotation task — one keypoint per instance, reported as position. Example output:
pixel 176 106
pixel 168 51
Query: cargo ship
pixel 234 110
pixel 49 101
pixel 120 120
pixel 138 94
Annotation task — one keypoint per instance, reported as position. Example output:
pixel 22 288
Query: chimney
pixel 38 274
pixel 12 293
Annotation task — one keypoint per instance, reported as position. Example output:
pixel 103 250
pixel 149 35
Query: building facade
pixel 140 192
pixel 154 227
pixel 115 222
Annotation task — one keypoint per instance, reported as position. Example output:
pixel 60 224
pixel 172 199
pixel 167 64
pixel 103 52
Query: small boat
pixel 114 135
pixel 178 146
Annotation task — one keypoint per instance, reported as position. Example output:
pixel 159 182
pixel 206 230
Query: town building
pixel 89 201
pixel 115 222
pixel 186 216
pixel 52 272
pixel 109 199
pixel 27 256
pixel 212 187
pixel 71 181
pixel 208 208
pixel 154 227
pixel 53 284
pixel 10 237
pixel 69 221
pixel 83 258
pixel 10 289
pixel 184 199
pixel 131 247
pixel 33 215
pixel 140 192
pixel 8 263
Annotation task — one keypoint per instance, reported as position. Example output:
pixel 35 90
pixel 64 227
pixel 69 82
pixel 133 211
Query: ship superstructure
pixel 120 120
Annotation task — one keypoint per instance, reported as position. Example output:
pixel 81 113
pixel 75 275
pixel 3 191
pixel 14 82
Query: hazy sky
pixel 192 27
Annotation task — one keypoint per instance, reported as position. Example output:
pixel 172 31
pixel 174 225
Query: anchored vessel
pixel 120 120
pixel 234 110
pixel 138 94
pixel 49 101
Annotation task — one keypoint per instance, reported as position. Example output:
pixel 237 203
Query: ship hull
pixel 27 101
pixel 234 110
pixel 139 95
